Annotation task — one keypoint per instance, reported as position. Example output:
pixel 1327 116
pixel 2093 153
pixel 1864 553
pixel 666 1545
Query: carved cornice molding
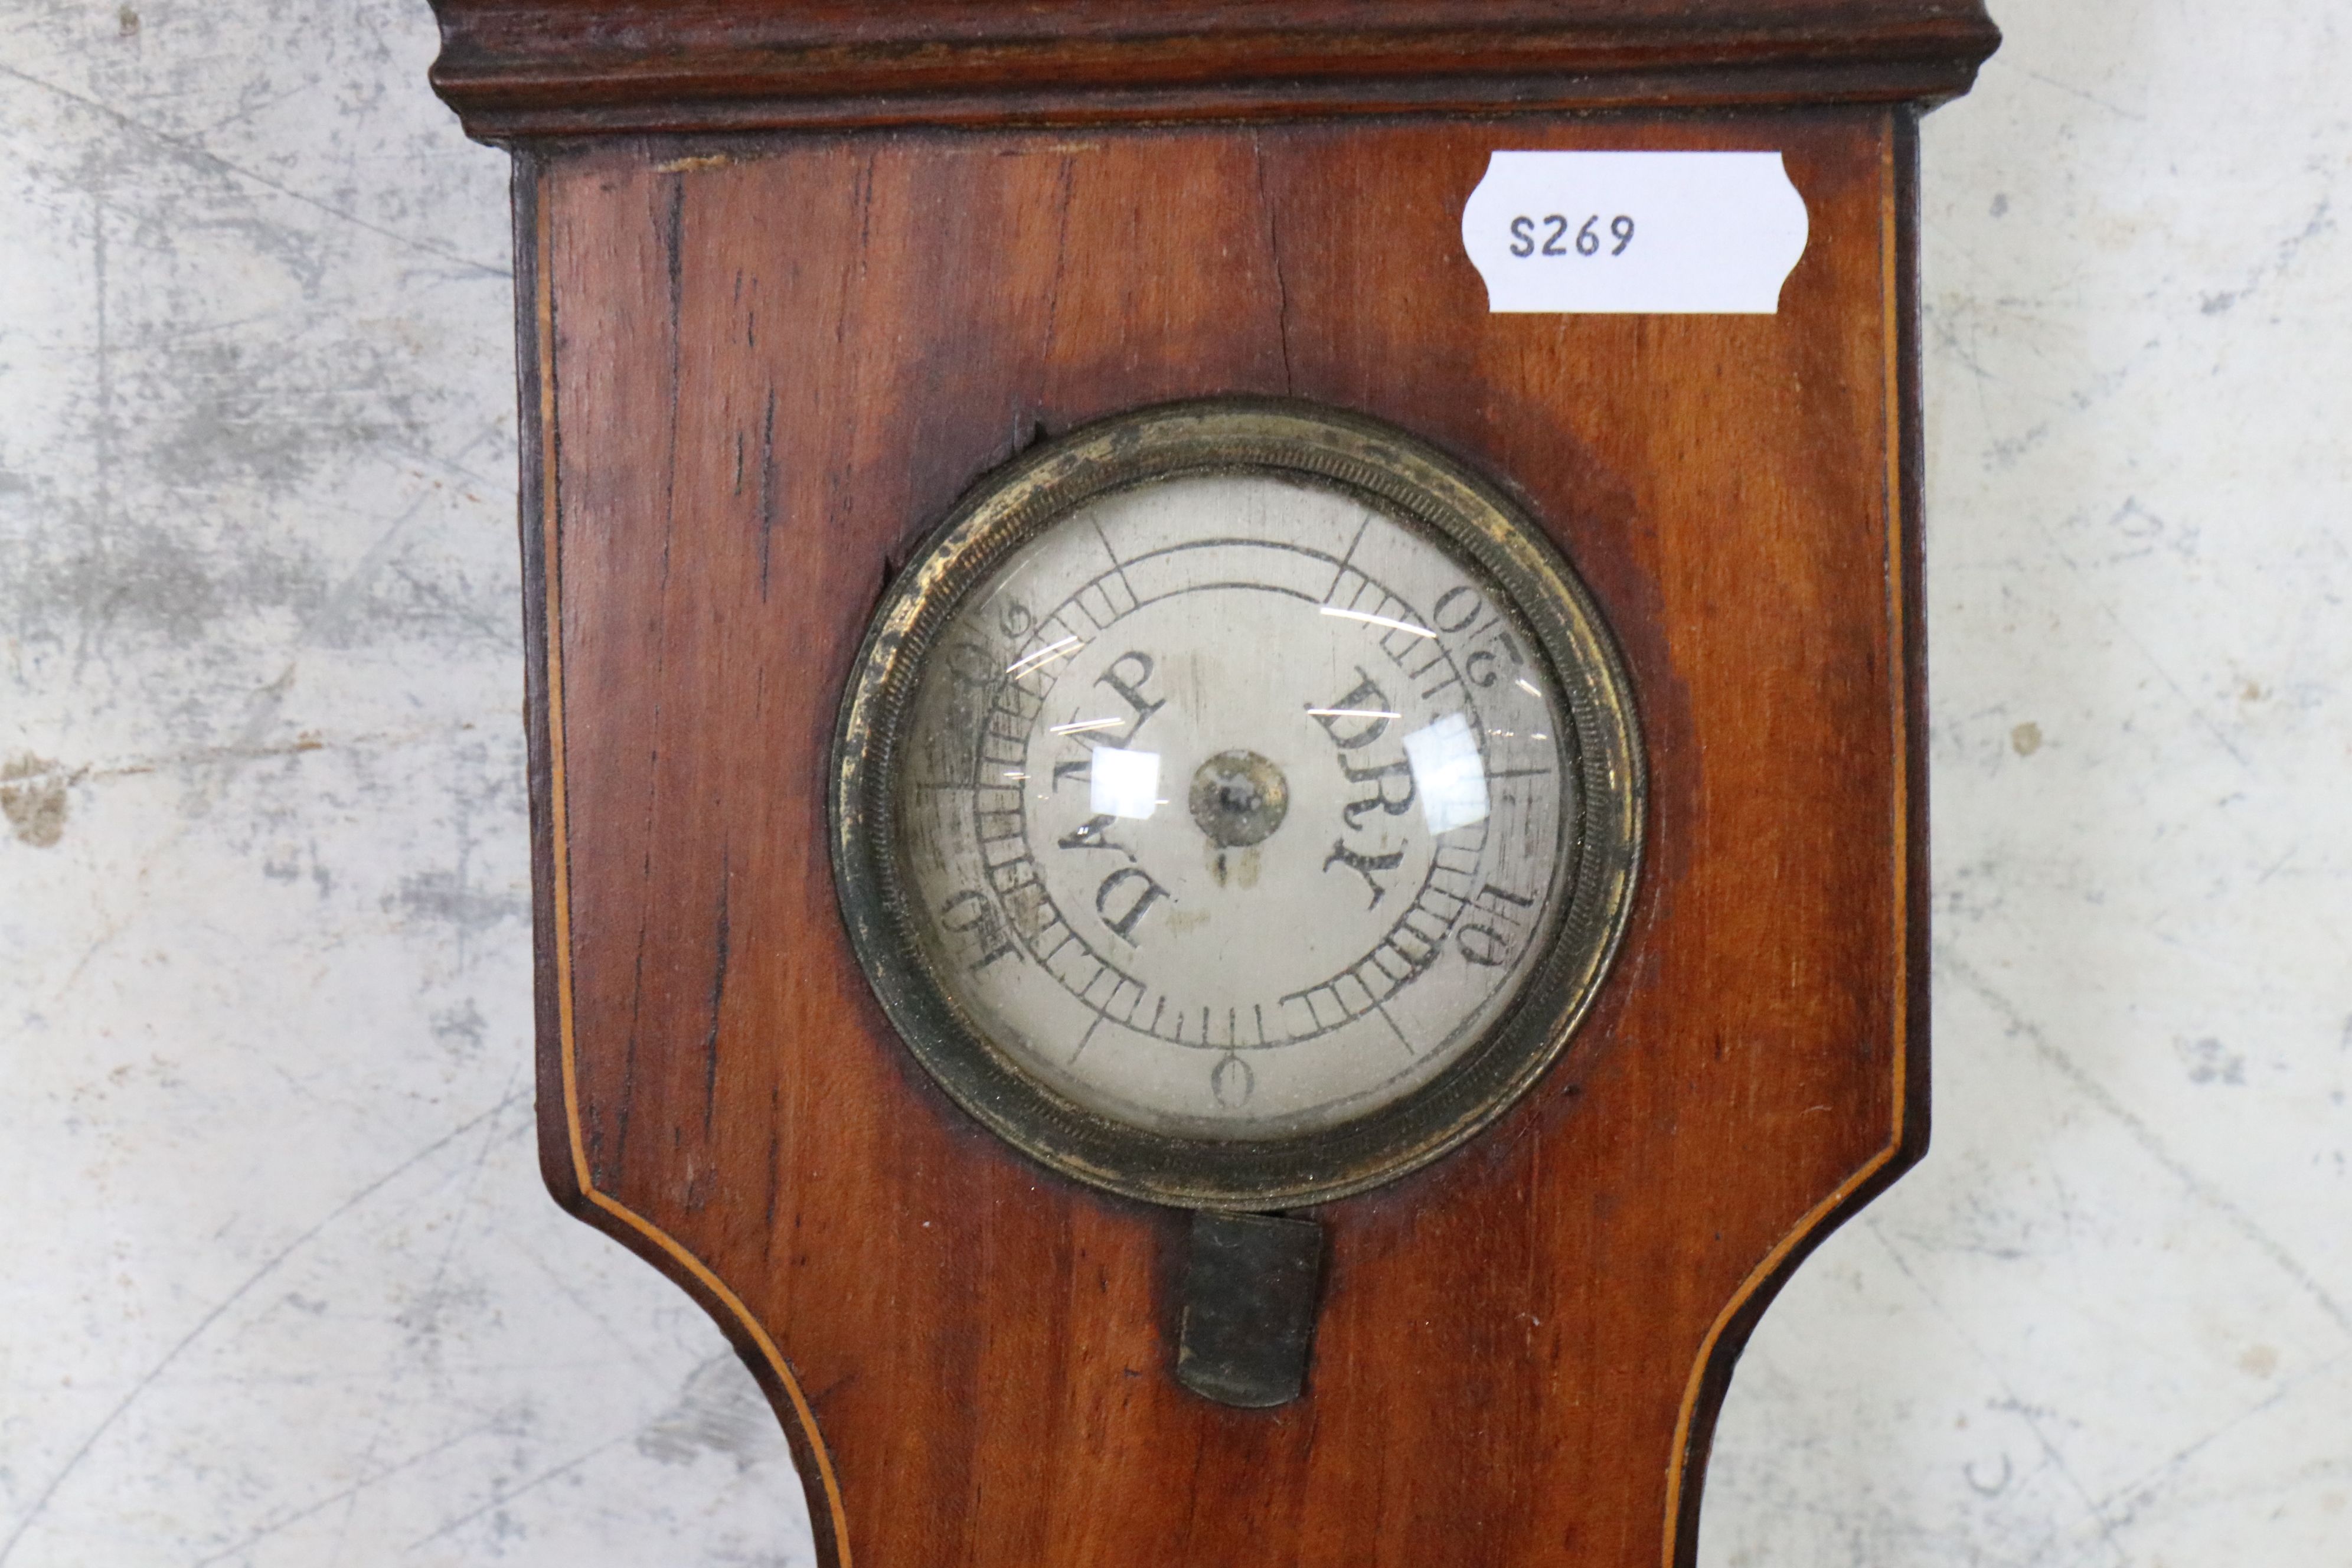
pixel 517 69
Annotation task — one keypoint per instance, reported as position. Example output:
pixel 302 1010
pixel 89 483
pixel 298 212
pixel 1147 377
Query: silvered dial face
pixel 1233 806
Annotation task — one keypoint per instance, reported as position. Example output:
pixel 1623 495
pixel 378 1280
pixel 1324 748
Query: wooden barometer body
pixel 842 326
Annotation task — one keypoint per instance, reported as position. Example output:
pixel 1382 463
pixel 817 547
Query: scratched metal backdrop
pixel 277 1285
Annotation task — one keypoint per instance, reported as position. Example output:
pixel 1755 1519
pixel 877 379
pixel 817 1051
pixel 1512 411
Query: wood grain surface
pixel 759 370
pixel 518 67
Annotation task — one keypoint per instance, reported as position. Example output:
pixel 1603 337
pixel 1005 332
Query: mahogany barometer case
pixel 1226 733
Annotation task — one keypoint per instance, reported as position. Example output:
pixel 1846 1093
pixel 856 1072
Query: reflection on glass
pixel 1124 783
pixel 1449 773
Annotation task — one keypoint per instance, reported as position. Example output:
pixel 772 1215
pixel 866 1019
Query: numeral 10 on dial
pixel 1548 235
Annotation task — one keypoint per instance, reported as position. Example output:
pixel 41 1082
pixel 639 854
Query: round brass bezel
pixel 1407 480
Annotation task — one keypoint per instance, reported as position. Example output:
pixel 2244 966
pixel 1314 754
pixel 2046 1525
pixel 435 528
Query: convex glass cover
pixel 1238 804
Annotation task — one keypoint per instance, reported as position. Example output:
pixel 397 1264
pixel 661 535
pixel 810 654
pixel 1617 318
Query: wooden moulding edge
pixel 564 1165
pixel 1907 1131
pixel 543 68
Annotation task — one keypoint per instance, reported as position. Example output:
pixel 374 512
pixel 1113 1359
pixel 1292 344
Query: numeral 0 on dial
pixel 1526 241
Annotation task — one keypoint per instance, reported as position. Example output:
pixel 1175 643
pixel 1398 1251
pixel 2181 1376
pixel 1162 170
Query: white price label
pixel 1621 233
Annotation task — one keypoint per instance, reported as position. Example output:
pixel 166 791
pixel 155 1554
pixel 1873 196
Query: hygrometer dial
pixel 1239 803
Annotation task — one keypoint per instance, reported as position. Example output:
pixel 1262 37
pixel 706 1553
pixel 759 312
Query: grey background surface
pixel 279 1285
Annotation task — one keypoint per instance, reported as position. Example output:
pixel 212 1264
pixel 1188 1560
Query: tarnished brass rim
pixel 1407 480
